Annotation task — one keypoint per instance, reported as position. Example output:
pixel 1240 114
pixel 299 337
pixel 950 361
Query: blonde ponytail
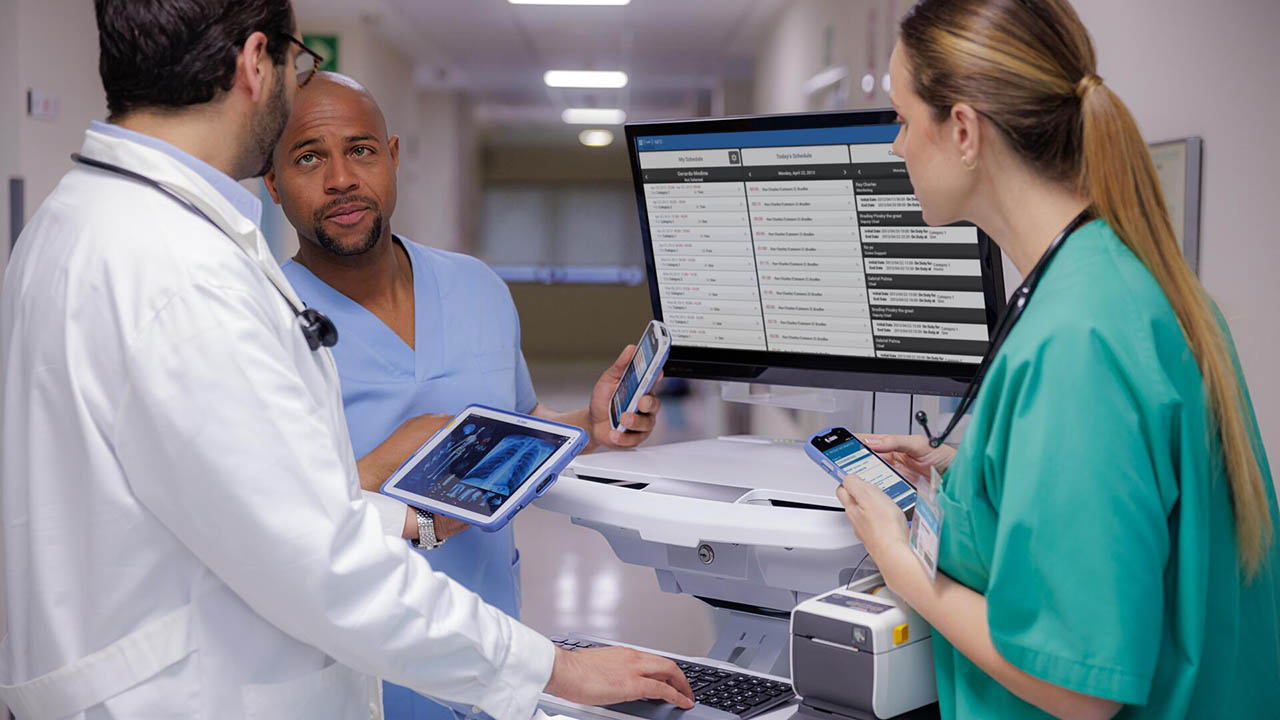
pixel 1030 68
pixel 1120 177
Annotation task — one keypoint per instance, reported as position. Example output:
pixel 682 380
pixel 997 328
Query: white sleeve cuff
pixel 391 512
pixel 521 677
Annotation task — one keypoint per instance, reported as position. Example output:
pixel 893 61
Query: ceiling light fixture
pixel 595 138
pixel 609 79
pixel 569 2
pixel 593 116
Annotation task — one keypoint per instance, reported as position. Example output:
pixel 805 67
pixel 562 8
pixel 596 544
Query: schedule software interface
pixel 806 241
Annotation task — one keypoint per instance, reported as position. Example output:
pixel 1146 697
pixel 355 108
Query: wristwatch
pixel 427 532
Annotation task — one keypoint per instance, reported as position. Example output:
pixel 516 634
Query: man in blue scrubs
pixel 421 331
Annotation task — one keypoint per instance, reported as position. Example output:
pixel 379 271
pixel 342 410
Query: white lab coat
pixel 184 531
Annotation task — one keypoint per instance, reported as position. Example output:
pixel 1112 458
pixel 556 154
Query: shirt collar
pixel 245 202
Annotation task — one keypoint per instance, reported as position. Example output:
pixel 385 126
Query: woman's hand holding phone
pixel 877 520
pixel 910 454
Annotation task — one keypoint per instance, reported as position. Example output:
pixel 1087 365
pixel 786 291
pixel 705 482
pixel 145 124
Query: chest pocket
pixel 501 360
pixel 487 378
pixel 959 554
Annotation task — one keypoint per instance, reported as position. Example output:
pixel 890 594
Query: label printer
pixel 858 653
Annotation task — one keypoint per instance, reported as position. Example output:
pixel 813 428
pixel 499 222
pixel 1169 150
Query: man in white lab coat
pixel 184 531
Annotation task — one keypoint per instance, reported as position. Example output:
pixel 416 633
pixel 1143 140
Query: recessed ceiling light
pixel 585 78
pixel 595 138
pixel 569 2
pixel 593 116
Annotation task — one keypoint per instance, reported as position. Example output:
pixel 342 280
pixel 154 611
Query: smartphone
pixel 840 453
pixel 641 373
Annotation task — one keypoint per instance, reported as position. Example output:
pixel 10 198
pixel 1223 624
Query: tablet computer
pixel 485 465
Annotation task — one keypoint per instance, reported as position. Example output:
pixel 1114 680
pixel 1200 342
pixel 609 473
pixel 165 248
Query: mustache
pixel 324 210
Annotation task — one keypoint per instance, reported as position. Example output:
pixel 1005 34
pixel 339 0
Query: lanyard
pixel 318 329
pixel 1017 304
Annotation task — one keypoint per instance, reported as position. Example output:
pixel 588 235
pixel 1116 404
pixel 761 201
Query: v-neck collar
pixel 355 321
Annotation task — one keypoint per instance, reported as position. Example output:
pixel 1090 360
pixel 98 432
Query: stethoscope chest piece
pixel 318 329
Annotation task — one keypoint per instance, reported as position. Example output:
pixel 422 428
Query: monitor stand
pixel 798 398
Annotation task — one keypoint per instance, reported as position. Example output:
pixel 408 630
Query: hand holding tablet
pixel 485 466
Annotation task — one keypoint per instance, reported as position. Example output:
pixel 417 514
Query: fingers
pixel 665 670
pixel 638 424
pixel 649 404
pixel 665 681
pixel 914 446
pixel 624 440
pixel 844 497
pixel 658 690
pixel 854 486
pixel 642 422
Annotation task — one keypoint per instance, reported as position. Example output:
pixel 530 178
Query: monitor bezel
pixel 802 369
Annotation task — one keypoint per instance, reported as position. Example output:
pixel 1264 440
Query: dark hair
pixel 176 53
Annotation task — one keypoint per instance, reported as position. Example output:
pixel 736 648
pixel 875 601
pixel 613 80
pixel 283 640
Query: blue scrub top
pixel 467 350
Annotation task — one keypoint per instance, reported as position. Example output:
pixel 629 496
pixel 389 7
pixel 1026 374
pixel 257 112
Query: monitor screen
pixel 791 250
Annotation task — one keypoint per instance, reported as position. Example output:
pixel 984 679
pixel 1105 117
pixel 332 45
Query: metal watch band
pixel 427 532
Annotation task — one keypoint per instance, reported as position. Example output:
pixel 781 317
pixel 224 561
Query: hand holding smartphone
pixel 837 451
pixel 641 373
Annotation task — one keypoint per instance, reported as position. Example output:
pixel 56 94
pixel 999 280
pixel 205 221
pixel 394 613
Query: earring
pixel 968 164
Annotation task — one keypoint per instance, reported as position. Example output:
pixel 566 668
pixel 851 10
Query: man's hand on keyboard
pixel 604 676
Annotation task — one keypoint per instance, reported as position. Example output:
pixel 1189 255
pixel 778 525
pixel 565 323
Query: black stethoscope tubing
pixel 1017 304
pixel 318 329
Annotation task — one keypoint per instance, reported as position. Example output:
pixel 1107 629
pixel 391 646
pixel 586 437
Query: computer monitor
pixel 791 250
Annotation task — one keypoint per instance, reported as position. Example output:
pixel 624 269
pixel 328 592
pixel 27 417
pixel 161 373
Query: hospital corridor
pixel 639 359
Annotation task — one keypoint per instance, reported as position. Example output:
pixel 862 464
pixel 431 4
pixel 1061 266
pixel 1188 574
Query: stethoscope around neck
pixel 318 329
pixel 1017 304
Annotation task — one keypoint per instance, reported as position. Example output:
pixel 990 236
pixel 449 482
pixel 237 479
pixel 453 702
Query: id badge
pixel 926 527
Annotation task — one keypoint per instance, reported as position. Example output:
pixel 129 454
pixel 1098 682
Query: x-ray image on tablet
pixel 475 466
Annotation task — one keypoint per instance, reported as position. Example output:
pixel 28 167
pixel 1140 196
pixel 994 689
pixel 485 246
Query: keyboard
pixel 718 694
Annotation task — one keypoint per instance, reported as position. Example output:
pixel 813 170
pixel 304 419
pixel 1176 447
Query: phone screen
pixel 636 369
pixel 851 456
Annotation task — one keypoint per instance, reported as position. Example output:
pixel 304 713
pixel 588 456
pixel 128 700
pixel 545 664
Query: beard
pixel 361 245
pixel 267 127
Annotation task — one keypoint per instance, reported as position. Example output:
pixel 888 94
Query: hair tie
pixel 1087 83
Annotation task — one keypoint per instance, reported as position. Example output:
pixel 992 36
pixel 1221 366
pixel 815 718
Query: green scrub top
pixel 1088 504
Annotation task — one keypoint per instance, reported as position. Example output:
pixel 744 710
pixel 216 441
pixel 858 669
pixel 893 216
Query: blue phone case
pixel 661 361
pixel 542 481
pixel 823 461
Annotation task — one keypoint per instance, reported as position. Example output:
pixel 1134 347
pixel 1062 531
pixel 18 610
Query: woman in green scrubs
pixel 1108 543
